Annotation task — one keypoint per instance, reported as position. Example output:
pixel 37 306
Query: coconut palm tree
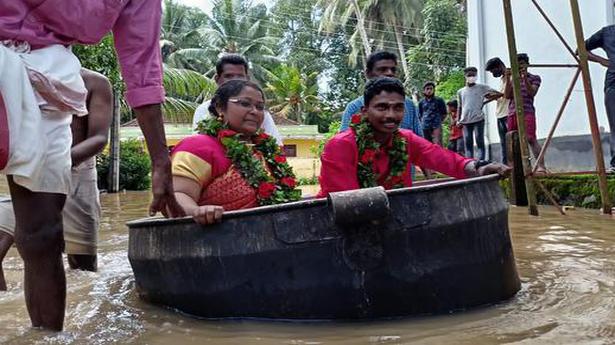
pixel 292 94
pixel 401 18
pixel 237 26
pixel 384 24
pixel 185 90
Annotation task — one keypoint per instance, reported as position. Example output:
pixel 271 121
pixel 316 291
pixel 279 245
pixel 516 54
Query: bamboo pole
pixel 512 52
pixel 591 106
pixel 114 150
pixel 557 118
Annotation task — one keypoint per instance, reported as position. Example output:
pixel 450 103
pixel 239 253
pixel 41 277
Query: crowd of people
pixel 54 117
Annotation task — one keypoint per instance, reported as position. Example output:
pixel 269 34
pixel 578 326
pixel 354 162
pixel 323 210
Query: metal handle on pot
pixel 359 206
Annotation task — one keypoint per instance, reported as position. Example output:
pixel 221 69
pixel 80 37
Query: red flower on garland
pixel 262 137
pixel 226 133
pixel 368 156
pixel 265 190
pixel 356 119
pixel 280 159
pixel 288 182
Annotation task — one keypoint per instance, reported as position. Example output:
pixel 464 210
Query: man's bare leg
pixel 39 240
pixel 6 241
pixel 83 262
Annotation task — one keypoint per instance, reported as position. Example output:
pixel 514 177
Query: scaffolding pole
pixel 525 158
pixel 591 106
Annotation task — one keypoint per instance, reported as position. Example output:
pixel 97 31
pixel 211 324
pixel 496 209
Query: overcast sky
pixel 206 5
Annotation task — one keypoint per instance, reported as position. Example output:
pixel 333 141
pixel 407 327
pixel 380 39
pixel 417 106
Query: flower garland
pixel 368 148
pixel 277 188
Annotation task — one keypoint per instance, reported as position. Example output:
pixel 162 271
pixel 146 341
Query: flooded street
pixel 566 263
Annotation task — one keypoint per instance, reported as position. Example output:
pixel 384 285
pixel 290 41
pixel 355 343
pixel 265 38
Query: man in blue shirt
pixel 383 64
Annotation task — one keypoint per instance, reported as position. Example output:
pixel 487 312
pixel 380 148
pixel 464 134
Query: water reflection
pixel 568 295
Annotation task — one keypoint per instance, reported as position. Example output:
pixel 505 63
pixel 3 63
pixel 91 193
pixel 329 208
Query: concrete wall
pixel 487 38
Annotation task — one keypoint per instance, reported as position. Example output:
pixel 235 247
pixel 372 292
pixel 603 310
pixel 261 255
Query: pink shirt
pixel 340 158
pixel 135 25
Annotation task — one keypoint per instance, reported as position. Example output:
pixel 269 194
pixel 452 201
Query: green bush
pixel 579 190
pixel 135 167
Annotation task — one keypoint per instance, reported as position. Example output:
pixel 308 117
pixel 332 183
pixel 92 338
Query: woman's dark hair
pixel 453 103
pixel 228 90
pixel 375 86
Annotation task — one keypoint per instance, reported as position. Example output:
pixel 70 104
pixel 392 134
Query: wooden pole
pixel 512 52
pixel 591 106
pixel 114 150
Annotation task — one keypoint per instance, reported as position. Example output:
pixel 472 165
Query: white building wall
pixel 487 38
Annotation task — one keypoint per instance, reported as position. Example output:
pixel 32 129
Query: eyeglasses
pixel 244 103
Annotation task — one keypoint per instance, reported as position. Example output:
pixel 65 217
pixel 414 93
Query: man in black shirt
pixel 605 39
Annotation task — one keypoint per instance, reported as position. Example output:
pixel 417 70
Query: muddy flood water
pixel 566 263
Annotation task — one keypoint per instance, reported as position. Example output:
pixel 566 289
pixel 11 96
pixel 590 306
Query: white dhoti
pixel 81 213
pixel 40 91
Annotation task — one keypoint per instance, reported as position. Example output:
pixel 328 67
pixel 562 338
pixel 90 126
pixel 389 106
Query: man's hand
pixel 150 121
pixel 162 188
pixel 495 168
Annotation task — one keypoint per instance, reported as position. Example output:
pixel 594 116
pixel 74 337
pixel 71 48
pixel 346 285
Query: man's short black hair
pixel 493 63
pixel 470 69
pixel 453 103
pixel 232 59
pixel 375 86
pixel 429 83
pixel 523 57
pixel 379 56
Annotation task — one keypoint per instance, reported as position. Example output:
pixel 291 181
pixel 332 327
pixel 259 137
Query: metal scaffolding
pixel 582 70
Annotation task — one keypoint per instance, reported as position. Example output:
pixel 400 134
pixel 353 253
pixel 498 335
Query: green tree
pixel 295 24
pixel 442 47
pixel 185 90
pixel 393 24
pixel 237 26
pixel 291 93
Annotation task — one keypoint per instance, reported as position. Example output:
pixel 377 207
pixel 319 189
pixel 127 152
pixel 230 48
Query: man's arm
pixel 350 110
pixel 459 108
pixel 137 34
pixel 594 42
pixel 100 112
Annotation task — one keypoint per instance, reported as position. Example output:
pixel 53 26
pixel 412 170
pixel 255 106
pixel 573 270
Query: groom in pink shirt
pixel 40 90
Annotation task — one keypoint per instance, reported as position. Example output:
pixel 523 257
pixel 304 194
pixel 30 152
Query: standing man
pixel 530 84
pixel 229 67
pixel 40 90
pixel 432 111
pixel 605 39
pixel 471 99
pixel 498 69
pixel 384 64
pixel 81 214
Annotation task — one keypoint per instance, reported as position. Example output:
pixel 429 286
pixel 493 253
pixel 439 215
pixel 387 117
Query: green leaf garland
pixel 277 188
pixel 368 148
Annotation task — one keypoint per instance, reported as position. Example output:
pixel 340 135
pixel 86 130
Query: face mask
pixel 471 80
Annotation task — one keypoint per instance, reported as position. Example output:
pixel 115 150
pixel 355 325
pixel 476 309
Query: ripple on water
pixel 566 264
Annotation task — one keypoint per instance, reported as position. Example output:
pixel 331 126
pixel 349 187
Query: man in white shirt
pixel 498 69
pixel 229 67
